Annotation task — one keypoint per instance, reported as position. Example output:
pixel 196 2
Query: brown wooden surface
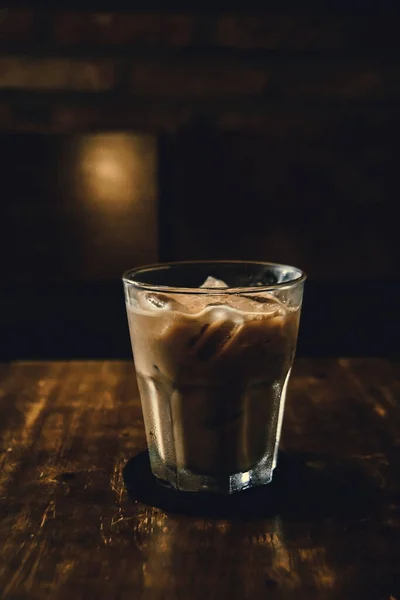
pixel 328 527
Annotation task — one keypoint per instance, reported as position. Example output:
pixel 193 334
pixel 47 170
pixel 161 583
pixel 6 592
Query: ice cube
pixel 222 312
pixel 265 303
pixel 193 303
pixel 221 324
pixel 212 282
pixel 161 302
pixel 213 339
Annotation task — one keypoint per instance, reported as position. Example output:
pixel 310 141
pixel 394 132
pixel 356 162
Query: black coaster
pixel 304 486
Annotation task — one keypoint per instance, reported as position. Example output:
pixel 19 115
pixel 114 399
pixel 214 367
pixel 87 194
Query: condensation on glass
pixel 213 345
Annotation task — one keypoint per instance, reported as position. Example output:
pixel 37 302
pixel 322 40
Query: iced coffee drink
pixel 212 365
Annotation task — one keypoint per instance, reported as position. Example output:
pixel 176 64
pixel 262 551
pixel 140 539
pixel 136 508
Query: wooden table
pixel 327 527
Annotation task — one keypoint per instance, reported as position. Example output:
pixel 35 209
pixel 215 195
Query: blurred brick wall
pixel 155 71
pixel 298 157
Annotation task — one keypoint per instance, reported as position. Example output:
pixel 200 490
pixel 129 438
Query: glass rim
pixel 129 277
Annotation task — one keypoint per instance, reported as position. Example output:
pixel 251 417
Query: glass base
pixel 187 481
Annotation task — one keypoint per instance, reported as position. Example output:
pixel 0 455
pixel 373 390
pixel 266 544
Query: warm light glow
pixel 115 191
pixel 109 165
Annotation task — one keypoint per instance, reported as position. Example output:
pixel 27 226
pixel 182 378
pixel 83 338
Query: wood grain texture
pixel 328 527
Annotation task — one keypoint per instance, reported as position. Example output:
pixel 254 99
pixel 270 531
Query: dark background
pixel 133 136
